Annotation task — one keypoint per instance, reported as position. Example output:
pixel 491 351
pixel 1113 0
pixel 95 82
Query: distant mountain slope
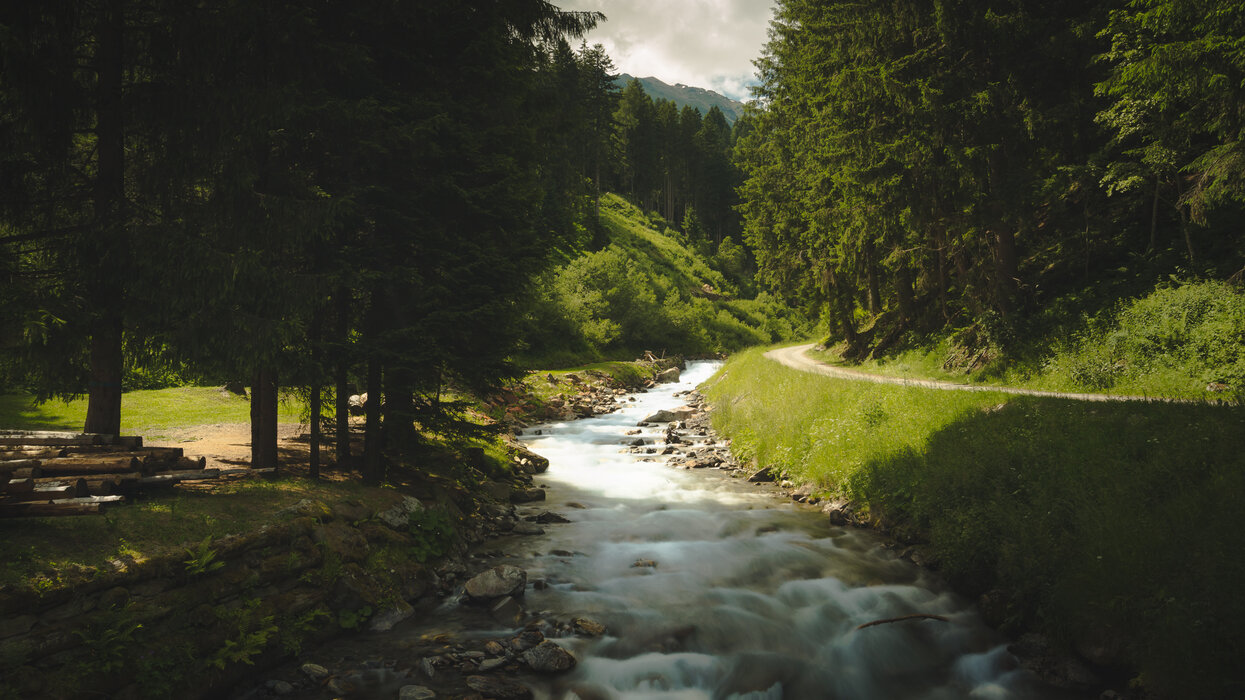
pixel 697 98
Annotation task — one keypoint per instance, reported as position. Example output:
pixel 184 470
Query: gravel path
pixel 796 357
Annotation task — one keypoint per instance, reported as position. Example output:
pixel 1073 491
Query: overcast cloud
pixel 704 43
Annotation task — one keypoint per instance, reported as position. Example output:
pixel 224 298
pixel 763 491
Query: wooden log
pixel 20 485
pixel 91 464
pixel 40 510
pixel 9 466
pixel 169 478
pixel 31 453
pixel 24 441
pixel 188 463
pixel 133 442
pixel 29 473
pixel 47 494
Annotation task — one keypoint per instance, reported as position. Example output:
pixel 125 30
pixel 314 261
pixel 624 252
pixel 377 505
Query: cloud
pixel 705 43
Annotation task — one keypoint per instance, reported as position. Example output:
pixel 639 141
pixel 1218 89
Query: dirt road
pixel 796 357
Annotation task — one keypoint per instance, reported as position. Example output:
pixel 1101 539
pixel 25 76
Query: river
pixel 710 588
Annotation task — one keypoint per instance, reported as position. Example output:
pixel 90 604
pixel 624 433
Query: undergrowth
pixel 1100 520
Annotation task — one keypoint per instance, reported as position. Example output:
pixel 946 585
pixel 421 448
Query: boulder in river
pixel 762 475
pixel 668 376
pixel 495 687
pixel 671 415
pixel 548 657
pixel 497 582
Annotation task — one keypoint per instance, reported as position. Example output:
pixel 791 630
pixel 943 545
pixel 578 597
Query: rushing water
pixel 710 589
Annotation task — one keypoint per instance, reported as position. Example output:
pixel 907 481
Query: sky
pixel 702 43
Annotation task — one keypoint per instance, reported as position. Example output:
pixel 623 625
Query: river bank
pixel 673 575
pixel 1103 526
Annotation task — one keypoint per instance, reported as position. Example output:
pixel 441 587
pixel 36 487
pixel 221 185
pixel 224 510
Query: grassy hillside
pixel 1112 527
pixel 1184 340
pixel 648 290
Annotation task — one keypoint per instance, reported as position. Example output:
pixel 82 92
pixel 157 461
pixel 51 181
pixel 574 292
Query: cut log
pixel 29 473
pixel 91 464
pixel 47 494
pixel 19 485
pixel 39 510
pixel 170 478
pixel 53 438
pixel 10 466
pixel 31 453
pixel 133 442
pixel 188 463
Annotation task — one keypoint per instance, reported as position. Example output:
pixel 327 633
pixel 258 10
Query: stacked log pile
pixel 54 473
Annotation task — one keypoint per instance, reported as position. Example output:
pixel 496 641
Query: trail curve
pixel 796 357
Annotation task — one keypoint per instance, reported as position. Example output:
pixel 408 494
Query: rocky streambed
pixel 644 562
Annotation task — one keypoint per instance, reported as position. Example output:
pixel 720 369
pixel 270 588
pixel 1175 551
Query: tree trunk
pixel 313 463
pixel 373 469
pixel 343 378
pixel 1184 222
pixel 1006 267
pixel 1154 218
pixel 903 290
pixel 264 419
pixel 871 276
pixel 103 413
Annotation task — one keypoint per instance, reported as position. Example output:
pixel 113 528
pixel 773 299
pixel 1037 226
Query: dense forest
pixel 964 166
pixel 407 199
pixel 335 197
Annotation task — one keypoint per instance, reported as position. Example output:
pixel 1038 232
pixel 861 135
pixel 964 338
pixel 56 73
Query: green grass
pixel 144 413
pixel 1120 520
pixel 45 554
pixel 1174 341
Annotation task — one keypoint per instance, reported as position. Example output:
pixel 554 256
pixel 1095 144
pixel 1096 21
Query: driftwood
pixel 902 618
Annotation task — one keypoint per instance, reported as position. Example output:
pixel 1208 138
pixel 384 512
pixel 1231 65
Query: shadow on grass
pixel 21 412
pixel 1113 524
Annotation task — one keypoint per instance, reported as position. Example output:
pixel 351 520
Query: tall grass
pixel 1115 522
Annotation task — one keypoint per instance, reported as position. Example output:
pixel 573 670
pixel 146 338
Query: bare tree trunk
pixel 342 378
pixel 1005 268
pixel 1154 218
pixel 373 468
pixel 103 414
pixel 264 419
pixel 1184 222
pixel 313 465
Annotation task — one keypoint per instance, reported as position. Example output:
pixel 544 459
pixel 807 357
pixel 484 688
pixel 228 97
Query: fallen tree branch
pixel 917 616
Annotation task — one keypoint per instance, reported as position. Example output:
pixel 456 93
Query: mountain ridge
pixel 687 95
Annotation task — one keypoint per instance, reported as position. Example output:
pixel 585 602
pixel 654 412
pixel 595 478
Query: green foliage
pixel 1094 517
pixel 202 558
pixel 110 640
pixel 646 291
pixel 295 630
pixel 252 631
pixel 433 532
pixel 353 619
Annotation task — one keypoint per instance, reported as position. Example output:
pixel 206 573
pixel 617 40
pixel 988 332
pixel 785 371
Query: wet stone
pixel 497 582
pixel 548 657
pixel 415 692
pixel 501 688
pixel 315 672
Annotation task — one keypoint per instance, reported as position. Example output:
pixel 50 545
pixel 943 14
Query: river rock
pixel 523 528
pixel 494 687
pixel 527 495
pixel 547 518
pixel 415 692
pixel 668 376
pixel 497 490
pixel 548 657
pixel 399 516
pixel 839 511
pixel 279 687
pixel 587 627
pixel 497 582
pixel 315 672
pixel 671 415
pixel 386 619
pixel 762 475
pixel 507 611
